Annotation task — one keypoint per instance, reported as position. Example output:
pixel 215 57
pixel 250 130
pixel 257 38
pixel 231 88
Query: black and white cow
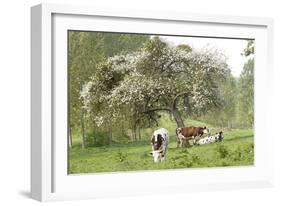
pixel 159 144
pixel 210 139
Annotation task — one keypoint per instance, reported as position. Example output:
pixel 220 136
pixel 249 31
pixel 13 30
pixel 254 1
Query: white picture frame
pixel 49 178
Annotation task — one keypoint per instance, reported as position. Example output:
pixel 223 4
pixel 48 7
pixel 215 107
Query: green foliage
pixel 86 50
pixel 185 159
pixel 117 43
pixel 250 49
pixel 238 98
pixel 226 115
pixel 242 152
pixel 246 89
pixel 185 47
pixel 237 154
pixel 222 151
pixel 121 157
pixel 97 138
pixel 246 94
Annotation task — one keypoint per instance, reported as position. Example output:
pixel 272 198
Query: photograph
pixel 144 102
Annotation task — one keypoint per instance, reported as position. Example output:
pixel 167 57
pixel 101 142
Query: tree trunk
pixel 138 132
pixel 122 129
pixel 110 135
pixel 70 137
pixel 94 140
pixel 94 136
pixel 134 128
pixel 138 135
pixel 83 144
pixel 134 133
pixel 177 117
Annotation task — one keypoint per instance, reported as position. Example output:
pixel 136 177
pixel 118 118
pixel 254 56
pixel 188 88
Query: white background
pixel 15 102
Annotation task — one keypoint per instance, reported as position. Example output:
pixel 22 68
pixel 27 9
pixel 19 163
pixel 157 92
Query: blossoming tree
pixel 157 78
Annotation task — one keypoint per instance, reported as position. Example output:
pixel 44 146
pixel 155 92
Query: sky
pixel 232 48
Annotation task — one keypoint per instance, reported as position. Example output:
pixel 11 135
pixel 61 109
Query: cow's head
pixel 178 131
pixel 205 130
pixel 156 141
pixel 220 135
pixel 157 154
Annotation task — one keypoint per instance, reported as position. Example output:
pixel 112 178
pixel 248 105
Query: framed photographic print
pixel 123 99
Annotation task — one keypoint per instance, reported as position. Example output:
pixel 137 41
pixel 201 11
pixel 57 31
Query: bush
pixel 97 139
pixel 225 163
pixel 185 159
pixel 222 150
pixel 240 154
pixel 237 154
pixel 121 157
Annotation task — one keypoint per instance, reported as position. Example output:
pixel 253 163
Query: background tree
pixel 250 48
pixel 85 51
pixel 246 94
pixel 246 88
pixel 226 115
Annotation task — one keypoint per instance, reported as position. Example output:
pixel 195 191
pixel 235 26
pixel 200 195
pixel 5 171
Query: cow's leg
pixel 182 142
pixel 187 143
pixel 194 142
pixel 163 155
pixel 178 142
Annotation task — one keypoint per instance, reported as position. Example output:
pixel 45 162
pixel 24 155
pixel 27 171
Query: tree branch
pixel 146 104
pixel 177 96
pixel 158 109
pixel 170 64
pixel 153 119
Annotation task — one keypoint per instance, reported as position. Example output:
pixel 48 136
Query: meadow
pixel 237 149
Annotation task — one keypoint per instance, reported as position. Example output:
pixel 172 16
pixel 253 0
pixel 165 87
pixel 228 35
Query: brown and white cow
pixel 185 134
pixel 159 144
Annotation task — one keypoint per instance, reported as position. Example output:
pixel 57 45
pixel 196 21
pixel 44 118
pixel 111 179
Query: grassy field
pixel 236 149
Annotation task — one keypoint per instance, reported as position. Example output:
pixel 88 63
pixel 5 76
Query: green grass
pixel 236 149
